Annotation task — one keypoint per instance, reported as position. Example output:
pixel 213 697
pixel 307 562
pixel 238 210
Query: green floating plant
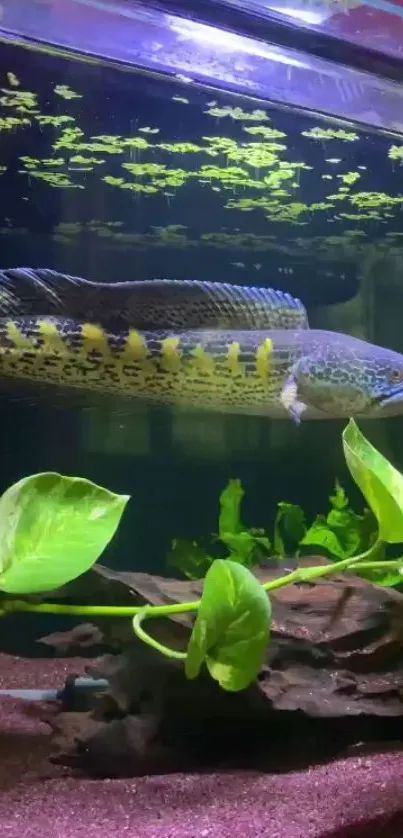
pixel 66 92
pixel 330 134
pixel 396 153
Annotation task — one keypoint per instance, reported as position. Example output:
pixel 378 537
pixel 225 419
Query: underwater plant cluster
pixel 231 630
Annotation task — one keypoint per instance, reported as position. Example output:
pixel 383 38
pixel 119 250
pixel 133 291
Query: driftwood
pixel 333 678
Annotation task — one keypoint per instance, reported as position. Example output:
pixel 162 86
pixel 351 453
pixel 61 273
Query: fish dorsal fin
pixel 149 304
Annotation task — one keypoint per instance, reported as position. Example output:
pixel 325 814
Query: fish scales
pixel 148 304
pixel 237 371
pixel 207 345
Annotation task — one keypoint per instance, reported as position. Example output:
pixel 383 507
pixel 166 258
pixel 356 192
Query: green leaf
pixel 289 529
pixel 241 546
pixel 384 578
pixel 190 558
pixel 320 535
pixel 346 525
pixel 232 629
pixel 380 483
pixel 230 508
pixel 339 500
pixel 53 529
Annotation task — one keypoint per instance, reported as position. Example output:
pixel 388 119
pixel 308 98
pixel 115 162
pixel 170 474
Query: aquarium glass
pixel 113 172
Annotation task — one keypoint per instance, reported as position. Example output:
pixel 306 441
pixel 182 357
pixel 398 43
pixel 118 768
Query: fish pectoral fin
pixel 290 401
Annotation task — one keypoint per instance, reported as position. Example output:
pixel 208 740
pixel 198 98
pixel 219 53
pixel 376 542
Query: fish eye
pixel 396 376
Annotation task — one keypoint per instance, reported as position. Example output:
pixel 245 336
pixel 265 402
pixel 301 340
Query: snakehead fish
pixel 197 344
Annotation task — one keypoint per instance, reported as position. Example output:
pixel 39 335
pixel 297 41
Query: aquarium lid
pixel 128 33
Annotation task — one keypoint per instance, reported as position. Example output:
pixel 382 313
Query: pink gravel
pixel 352 798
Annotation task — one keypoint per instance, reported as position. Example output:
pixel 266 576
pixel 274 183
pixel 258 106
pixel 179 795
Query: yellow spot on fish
pixel 52 339
pixel 170 354
pixel 17 337
pixel 136 347
pixel 204 362
pixel 94 338
pixel 234 351
pixel 263 354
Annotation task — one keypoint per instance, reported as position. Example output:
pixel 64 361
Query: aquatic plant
pixel 266 177
pixel 61 525
pixel 331 134
pixel 341 533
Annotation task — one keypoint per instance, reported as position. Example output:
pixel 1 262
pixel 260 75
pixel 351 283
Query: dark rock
pixel 333 678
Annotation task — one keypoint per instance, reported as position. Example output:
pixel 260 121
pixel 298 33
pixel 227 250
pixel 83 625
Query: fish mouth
pixel 391 402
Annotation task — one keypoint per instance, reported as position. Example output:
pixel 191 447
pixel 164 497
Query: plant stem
pixel 14 605
pixel 146 638
pixel 307 574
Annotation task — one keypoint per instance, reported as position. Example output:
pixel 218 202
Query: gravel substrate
pixel 352 798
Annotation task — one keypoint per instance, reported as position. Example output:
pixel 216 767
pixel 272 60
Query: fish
pixel 204 345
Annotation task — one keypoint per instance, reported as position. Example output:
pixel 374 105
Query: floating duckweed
pixel 338 196
pixel 320 205
pixel 135 142
pixel 365 200
pixel 180 148
pixel 230 176
pixel 33 163
pixel 146 189
pixel 277 177
pixel 56 179
pixel 396 153
pixel 79 160
pixel 22 100
pixel 55 121
pixel 7 123
pixel 173 233
pixel 247 169
pixel 148 130
pixel 349 178
pixel 330 134
pixel 13 80
pixel 360 216
pixel 265 131
pixel 140 169
pixel 66 92
pixel 220 145
pixel 113 181
pixel 180 99
pixel 238 114
pixel 255 155
pixel 68 138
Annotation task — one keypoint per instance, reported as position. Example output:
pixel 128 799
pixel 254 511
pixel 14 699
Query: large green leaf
pixel 380 483
pixel 52 529
pixel 232 628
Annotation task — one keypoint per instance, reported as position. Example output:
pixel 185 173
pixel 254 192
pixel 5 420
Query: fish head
pixel 348 377
pixel 384 382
